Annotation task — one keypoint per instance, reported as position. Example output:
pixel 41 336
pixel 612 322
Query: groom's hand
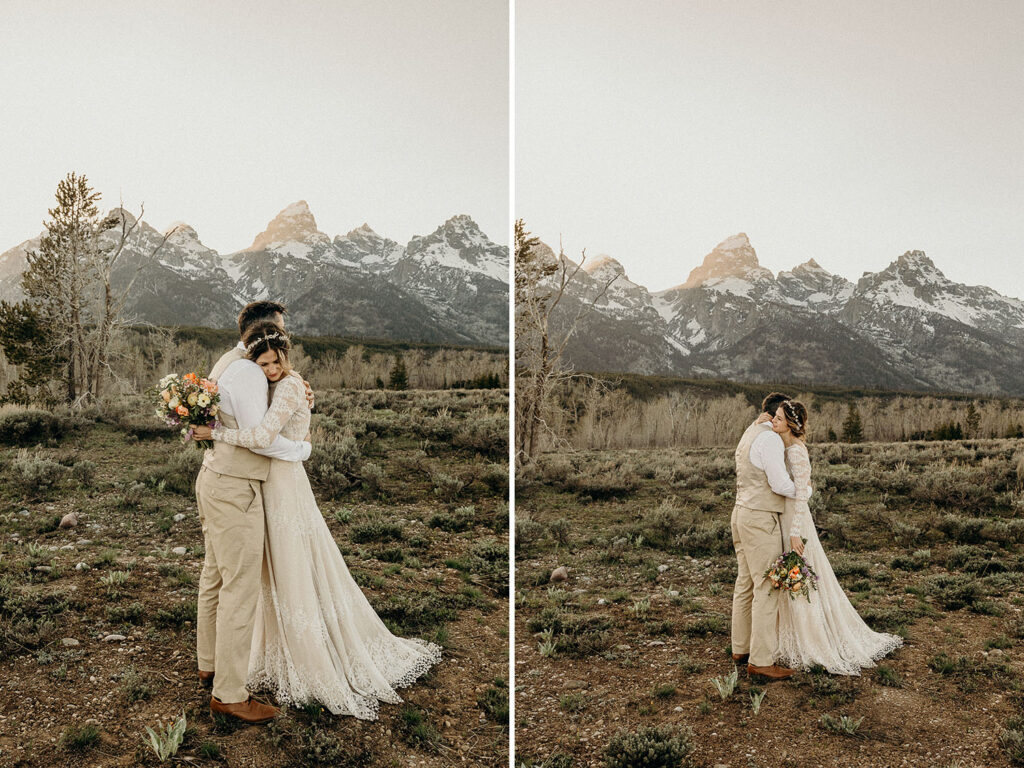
pixel 764 417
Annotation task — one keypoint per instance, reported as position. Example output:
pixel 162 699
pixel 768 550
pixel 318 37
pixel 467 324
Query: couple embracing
pixel 774 635
pixel 278 609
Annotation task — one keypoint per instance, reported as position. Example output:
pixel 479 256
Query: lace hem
pixel 274 673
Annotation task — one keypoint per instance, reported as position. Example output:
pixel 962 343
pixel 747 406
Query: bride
pixel 316 635
pixel 827 630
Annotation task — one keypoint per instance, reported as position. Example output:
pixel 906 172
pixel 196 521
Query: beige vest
pixel 752 488
pixel 230 459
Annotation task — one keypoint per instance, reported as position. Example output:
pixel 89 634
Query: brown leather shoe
pixel 741 658
pixel 774 672
pixel 206 678
pixel 249 711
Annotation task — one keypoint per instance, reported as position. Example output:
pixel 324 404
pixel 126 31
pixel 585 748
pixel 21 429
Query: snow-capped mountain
pixel 449 286
pixel 907 326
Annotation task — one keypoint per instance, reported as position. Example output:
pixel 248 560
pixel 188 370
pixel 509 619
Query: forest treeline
pixel 632 412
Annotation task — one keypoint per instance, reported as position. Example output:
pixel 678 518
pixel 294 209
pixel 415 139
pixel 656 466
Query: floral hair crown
pixel 268 337
pixel 792 414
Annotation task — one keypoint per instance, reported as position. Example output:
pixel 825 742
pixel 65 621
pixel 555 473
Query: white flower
pixel 174 403
pixel 167 380
pixel 204 400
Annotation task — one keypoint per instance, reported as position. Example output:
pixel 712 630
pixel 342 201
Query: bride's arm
pixel 800 466
pixel 288 398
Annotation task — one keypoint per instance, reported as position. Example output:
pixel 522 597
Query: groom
pixel 230 499
pixel 762 485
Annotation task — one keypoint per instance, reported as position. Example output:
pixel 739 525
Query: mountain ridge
pixel 450 285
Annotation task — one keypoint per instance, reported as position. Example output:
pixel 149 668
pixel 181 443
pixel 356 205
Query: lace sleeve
pixel 800 465
pixel 288 398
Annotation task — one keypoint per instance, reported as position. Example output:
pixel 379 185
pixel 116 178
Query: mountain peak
pixel 733 257
pixel 293 224
pixel 735 243
pixel 604 268
pixel 179 230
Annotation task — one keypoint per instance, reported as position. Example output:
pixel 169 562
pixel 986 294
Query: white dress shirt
pixel 243 394
pixel 768 453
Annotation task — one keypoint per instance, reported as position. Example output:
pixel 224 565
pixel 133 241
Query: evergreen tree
pixel 853 432
pixel 972 420
pixel 399 379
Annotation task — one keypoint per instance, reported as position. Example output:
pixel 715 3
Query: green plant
pixel 843 724
pixel 658 747
pixel 166 741
pixel 726 684
pixel 756 697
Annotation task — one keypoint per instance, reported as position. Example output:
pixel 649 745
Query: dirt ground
pixel 639 630
pixel 418 558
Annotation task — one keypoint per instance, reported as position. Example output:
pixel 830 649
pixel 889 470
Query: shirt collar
pixel 240 346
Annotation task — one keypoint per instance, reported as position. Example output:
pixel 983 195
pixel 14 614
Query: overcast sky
pixel 849 132
pixel 222 113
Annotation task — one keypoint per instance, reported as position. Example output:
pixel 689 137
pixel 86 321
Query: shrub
pixel 332 465
pixel 30 427
pixel 84 472
pixel 377 529
pixel 460 520
pixel 447 487
pixel 658 747
pixel 34 475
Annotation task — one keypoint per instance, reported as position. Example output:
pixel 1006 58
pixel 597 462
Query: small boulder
pixel 179 517
pixel 68 642
pixel 43 568
pixel 559 574
pixel 113 638
pixel 179 551
pixel 662 568
pixel 81 567
pixel 70 520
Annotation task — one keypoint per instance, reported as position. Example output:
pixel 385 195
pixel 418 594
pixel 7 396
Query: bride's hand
pixel 202 433
pixel 797 544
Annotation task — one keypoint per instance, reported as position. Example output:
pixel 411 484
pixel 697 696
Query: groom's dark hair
pixel 772 402
pixel 256 312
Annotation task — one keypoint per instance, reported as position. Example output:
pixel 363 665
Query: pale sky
pixel 849 132
pixel 220 114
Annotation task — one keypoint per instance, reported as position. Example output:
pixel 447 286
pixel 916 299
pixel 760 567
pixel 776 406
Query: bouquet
pixel 188 401
pixel 792 574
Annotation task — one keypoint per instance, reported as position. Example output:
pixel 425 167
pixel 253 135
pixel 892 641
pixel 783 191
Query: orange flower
pixel 192 378
pixel 182 410
pixel 794 572
pixel 166 395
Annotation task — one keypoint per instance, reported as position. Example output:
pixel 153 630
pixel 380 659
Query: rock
pixel 83 542
pixel 662 568
pixel 602 601
pixel 113 638
pixel 673 593
pixel 81 567
pixel 68 546
pixel 656 642
pixel 179 551
pixel 23 512
pixel 678 709
pixel 43 568
pixel 70 520
pixel 179 517
pixel 576 684
pixel 50 507
pixel 559 574
pixel 68 642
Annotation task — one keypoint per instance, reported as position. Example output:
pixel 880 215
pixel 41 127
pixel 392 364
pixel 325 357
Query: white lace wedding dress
pixel 316 635
pixel 828 630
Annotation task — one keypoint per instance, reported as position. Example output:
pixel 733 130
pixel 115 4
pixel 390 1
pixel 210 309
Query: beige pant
pixel 231 512
pixel 757 537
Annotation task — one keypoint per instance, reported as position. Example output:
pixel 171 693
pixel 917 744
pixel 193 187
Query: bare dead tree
pixel 541 282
